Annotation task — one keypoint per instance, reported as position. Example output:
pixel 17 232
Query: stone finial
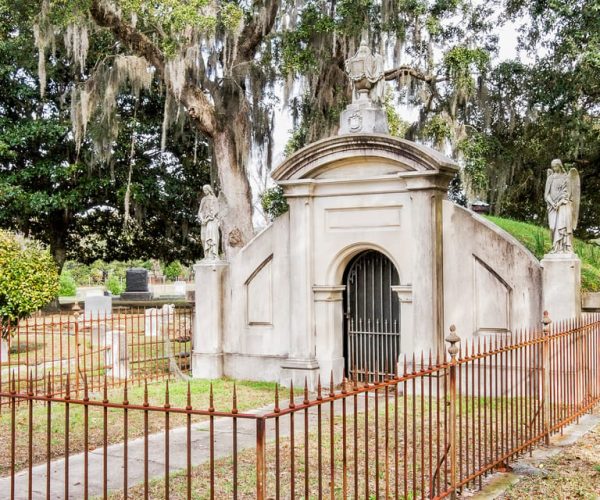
pixel 76 310
pixel 366 74
pixel 453 339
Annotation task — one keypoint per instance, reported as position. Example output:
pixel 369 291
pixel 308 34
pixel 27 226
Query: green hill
pixel 538 241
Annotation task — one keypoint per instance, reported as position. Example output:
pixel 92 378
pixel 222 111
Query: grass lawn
pixel 249 395
pixel 538 241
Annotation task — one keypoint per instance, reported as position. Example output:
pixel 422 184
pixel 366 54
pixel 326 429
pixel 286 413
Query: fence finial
pixel 546 321
pixel 453 339
pixel 76 309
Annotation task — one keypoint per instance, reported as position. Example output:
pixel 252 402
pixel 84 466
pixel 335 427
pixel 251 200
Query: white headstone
pixel 3 351
pixel 152 322
pixel 168 313
pixel 179 288
pixel 116 355
pixel 98 307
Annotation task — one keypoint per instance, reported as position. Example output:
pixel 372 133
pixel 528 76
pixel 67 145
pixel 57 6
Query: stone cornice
pixel 412 157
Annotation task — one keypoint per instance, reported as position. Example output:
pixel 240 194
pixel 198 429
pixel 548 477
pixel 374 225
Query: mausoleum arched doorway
pixel 372 339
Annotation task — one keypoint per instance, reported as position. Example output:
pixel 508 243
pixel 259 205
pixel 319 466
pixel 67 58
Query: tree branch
pixel 255 31
pixel 192 97
pixel 395 73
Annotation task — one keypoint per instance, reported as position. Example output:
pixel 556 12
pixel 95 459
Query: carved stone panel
pixel 492 299
pixel 259 296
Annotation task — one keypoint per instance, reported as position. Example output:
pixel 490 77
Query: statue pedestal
pixel 207 342
pixel 561 284
pixel 363 117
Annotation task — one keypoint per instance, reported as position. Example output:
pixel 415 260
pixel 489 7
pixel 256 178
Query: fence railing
pixel 130 343
pixel 433 430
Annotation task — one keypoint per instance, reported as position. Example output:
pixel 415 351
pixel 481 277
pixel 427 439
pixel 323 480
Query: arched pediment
pixel 362 155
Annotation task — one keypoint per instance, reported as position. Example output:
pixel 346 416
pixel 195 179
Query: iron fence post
pixel 76 310
pixel 261 473
pixel 546 321
pixel 452 339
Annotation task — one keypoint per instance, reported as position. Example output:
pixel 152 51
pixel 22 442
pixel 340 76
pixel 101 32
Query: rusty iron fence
pixel 131 343
pixel 433 430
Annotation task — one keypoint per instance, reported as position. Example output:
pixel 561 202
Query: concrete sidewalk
pixel 223 443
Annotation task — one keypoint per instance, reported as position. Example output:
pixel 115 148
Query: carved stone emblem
pixel 355 122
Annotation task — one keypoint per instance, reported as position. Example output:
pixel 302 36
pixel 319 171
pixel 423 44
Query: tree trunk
pixel 236 225
pixel 59 252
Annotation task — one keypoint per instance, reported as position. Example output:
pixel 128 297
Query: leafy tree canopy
pixel 140 204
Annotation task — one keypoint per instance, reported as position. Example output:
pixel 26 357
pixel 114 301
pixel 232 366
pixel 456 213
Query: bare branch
pixel 395 73
pixel 192 97
pixel 255 31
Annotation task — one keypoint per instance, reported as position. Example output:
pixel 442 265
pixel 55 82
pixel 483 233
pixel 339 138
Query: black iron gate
pixel 372 340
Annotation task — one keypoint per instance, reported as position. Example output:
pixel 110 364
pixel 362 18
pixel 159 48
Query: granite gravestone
pixel 136 285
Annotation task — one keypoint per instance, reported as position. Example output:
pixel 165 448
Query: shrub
pixel 67 285
pixel 273 202
pixel 28 278
pixel 173 271
pixel 114 285
pixel 79 272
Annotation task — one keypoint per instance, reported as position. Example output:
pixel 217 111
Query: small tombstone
pixel 97 307
pixel 152 322
pixel 155 319
pixel 179 288
pixel 3 350
pixel 168 313
pixel 136 285
pixel 116 356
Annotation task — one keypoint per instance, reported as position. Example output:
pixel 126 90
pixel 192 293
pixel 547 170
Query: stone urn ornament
pixel 365 71
pixel 365 114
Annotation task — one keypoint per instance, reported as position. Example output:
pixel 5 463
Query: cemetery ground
pixel 249 395
pixel 365 449
pixel 49 347
pixel 574 472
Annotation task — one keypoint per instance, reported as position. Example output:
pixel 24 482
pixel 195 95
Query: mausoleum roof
pixel 410 157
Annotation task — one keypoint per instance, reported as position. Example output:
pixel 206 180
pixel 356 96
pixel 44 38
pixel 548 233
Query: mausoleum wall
pixel 492 283
pixel 256 305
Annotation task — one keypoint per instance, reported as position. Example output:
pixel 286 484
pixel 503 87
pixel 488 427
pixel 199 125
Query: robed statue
pixel 209 220
pixel 562 197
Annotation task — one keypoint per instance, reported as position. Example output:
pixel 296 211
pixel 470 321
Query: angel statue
pixel 208 215
pixel 562 196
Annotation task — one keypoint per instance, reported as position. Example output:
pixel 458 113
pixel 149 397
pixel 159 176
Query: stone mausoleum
pixel 370 263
